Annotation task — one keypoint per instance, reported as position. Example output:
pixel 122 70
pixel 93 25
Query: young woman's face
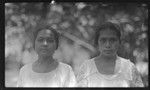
pixel 45 43
pixel 108 42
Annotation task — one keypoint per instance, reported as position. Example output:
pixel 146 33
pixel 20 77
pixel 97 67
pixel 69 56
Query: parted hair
pixel 107 25
pixel 45 27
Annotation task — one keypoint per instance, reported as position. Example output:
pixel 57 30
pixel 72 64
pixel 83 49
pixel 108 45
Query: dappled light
pixel 76 24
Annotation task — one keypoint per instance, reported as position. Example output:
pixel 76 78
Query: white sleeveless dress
pixel 125 75
pixel 62 76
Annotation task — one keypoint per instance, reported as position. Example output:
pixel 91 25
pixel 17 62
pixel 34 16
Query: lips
pixel 44 50
pixel 108 50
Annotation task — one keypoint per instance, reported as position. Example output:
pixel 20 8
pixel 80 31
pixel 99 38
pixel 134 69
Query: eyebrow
pixel 51 37
pixel 107 37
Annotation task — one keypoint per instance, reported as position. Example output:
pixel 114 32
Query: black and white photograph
pixel 76 44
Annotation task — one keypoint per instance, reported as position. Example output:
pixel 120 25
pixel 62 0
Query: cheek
pixel 116 46
pixel 53 45
pixel 36 45
pixel 100 47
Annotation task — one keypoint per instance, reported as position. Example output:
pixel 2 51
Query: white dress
pixel 62 76
pixel 125 75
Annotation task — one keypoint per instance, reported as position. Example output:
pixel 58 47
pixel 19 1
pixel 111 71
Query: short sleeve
pixel 136 78
pixel 21 77
pixel 70 79
pixel 19 82
pixel 81 76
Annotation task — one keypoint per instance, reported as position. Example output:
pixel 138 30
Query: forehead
pixel 45 33
pixel 108 33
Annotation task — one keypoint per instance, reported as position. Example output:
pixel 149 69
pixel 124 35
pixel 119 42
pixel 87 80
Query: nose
pixel 45 43
pixel 108 45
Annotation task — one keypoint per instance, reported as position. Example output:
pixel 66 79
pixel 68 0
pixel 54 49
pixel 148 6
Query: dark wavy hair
pixel 47 27
pixel 107 25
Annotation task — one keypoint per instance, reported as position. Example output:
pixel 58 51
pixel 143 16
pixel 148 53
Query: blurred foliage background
pixel 79 20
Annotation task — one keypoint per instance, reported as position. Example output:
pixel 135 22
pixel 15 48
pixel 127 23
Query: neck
pixel 45 59
pixel 108 58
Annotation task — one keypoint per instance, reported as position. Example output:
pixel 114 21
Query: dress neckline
pixel 56 69
pixel 110 76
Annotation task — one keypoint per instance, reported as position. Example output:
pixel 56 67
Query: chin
pixel 46 54
pixel 109 54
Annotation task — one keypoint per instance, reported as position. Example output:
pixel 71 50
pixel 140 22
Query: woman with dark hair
pixel 46 71
pixel 108 69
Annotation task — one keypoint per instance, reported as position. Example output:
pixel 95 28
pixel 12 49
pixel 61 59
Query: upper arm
pixel 136 78
pixel 81 73
pixel 70 80
pixel 19 81
pixel 81 76
pixel 21 76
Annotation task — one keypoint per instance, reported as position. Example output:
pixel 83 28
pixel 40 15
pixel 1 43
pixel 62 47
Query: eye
pixel 102 40
pixel 113 40
pixel 50 40
pixel 40 39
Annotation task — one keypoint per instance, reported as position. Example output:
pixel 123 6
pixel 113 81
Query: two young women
pixel 105 70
